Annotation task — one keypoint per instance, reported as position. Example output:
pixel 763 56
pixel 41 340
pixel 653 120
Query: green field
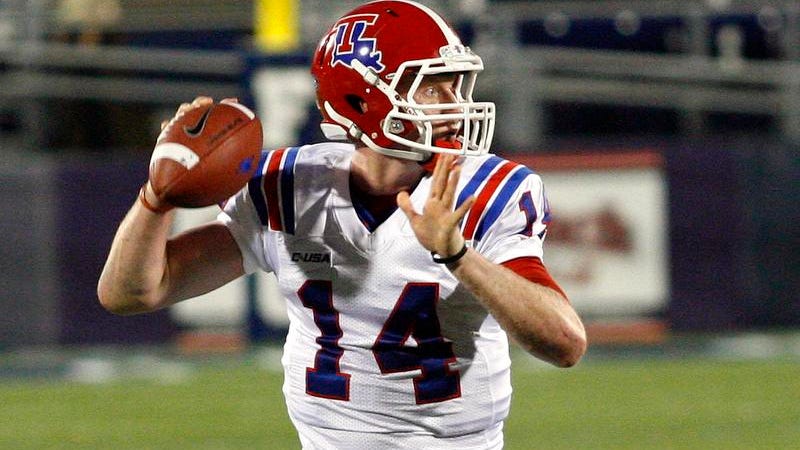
pixel 696 403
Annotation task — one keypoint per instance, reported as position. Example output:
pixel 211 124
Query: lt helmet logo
pixel 352 44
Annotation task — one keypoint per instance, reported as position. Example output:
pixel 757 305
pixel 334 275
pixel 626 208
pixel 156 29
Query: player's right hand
pixel 147 197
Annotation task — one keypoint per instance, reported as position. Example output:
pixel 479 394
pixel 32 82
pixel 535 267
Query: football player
pixel 406 252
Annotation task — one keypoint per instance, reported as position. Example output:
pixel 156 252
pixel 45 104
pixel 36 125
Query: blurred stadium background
pixel 667 133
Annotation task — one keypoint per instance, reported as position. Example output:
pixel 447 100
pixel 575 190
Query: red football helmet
pixel 362 59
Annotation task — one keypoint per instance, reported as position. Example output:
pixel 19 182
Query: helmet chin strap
pixel 418 156
pixel 337 132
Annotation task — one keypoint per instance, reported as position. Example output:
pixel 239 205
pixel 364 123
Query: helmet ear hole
pixel 357 103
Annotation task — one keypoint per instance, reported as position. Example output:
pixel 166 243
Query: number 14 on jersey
pixel 414 315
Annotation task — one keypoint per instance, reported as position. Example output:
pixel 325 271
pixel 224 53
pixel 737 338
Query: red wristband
pixel 158 210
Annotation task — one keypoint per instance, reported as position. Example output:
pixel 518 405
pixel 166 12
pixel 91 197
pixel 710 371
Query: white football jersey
pixel 381 338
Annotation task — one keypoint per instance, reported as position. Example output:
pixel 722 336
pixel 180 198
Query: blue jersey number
pixel 325 379
pixel 414 316
pixel 529 209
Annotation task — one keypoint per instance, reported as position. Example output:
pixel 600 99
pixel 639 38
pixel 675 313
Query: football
pixel 205 155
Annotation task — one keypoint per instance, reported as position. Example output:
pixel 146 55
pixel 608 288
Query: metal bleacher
pixel 693 59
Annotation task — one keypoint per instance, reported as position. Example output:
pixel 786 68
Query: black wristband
pixel 450 259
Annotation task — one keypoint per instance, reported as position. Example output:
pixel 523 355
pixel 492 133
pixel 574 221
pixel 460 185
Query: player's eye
pixel 430 92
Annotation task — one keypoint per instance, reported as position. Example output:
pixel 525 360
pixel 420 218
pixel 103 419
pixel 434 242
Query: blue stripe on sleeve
pixel 287 189
pixel 480 176
pixel 500 202
pixel 256 193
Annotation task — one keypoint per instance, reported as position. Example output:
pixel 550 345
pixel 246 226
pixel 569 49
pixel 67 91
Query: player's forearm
pixel 537 317
pixel 133 279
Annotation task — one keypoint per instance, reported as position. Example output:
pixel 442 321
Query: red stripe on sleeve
pixel 532 269
pixel 483 198
pixel 271 190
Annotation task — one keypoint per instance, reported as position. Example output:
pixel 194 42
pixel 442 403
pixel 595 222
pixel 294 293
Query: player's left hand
pixel 436 227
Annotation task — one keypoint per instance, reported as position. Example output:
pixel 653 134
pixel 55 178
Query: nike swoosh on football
pixel 197 129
